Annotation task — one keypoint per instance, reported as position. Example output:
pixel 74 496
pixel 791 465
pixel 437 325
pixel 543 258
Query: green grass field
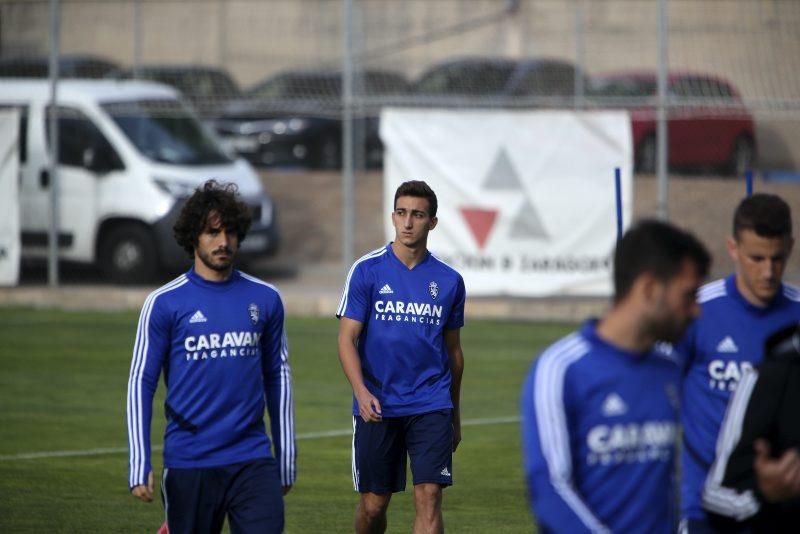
pixel 63 380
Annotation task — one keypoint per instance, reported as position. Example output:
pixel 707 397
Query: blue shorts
pixel 380 449
pixel 249 493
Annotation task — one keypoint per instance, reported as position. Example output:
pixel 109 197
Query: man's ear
pixel 432 224
pixel 733 248
pixel 647 286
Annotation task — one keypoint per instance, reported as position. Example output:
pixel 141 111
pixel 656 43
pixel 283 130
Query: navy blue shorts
pixel 249 493
pixel 380 449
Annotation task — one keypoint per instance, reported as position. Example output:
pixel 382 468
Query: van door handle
pixel 44 179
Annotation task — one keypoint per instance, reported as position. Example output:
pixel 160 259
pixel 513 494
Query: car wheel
pixel 329 155
pixel 742 156
pixel 128 255
pixel 646 155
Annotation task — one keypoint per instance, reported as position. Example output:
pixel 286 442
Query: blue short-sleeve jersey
pixel 599 431
pixel 405 313
pixel 726 340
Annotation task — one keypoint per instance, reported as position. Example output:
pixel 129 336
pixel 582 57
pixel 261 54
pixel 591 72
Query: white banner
pixel 526 198
pixel 9 198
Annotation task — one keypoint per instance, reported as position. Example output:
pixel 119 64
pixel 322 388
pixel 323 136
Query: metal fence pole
pixel 662 133
pixel 222 20
pixel 137 37
pixel 348 175
pixel 580 55
pixel 52 164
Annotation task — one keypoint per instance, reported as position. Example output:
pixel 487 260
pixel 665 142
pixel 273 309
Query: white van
pixel 129 153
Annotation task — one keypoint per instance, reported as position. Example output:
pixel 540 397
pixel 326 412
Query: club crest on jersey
pixel 252 310
pixel 433 289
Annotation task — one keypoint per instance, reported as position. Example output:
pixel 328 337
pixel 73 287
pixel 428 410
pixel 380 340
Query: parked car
pixel 708 125
pixel 208 89
pixel 129 155
pixel 531 81
pixel 294 118
pixel 69 66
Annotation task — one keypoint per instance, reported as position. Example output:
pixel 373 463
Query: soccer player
pixel 600 407
pixel 738 314
pixel 218 334
pixel 399 345
pixel 754 483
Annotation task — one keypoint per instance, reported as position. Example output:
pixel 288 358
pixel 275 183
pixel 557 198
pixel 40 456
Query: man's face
pixel 760 262
pixel 675 304
pixel 216 246
pixel 411 221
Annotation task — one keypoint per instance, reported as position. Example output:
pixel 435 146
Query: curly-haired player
pixel 219 336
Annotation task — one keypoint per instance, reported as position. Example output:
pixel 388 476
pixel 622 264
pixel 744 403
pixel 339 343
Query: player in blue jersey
pixel 600 407
pixel 218 335
pixel 738 314
pixel 399 345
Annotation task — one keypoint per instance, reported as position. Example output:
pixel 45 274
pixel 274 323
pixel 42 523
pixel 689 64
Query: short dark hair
pixel 215 197
pixel 765 214
pixel 418 188
pixel 656 247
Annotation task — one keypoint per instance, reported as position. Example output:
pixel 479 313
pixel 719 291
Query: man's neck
pixel 211 275
pixel 747 295
pixel 622 328
pixel 408 256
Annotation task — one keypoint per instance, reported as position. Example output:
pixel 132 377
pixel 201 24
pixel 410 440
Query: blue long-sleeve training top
pixel 599 431
pixel 224 354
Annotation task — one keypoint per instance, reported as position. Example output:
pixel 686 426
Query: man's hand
pixel 142 492
pixel 369 408
pixel 286 489
pixel 456 432
pixel 778 478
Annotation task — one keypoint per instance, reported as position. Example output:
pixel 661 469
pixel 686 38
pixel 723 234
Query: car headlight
pixel 296 125
pixel 293 125
pixel 174 188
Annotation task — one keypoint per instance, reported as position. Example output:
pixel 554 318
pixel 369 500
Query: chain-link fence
pixel 267 77
pixel 732 81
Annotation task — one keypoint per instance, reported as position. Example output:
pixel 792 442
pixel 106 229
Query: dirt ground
pixel 309 208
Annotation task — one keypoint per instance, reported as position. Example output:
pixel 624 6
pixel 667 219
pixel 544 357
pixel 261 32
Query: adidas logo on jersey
pixel 727 345
pixel 198 317
pixel 614 405
pixel 385 290
pixel 445 472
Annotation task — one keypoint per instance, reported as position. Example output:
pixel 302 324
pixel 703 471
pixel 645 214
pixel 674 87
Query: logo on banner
pixel 526 224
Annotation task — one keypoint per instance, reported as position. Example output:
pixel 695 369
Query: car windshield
pixel 299 86
pixel 478 79
pixel 624 87
pixel 195 83
pixel 164 131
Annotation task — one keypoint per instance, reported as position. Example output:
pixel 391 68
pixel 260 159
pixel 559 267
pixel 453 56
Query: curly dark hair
pixel 210 197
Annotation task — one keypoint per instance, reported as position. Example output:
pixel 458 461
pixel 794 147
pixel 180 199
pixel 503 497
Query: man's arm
pixel 547 457
pixel 368 406
pixel 732 487
pixel 278 392
pixel 149 352
pixel 452 339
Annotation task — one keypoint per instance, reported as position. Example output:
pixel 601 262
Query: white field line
pixel 155 448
